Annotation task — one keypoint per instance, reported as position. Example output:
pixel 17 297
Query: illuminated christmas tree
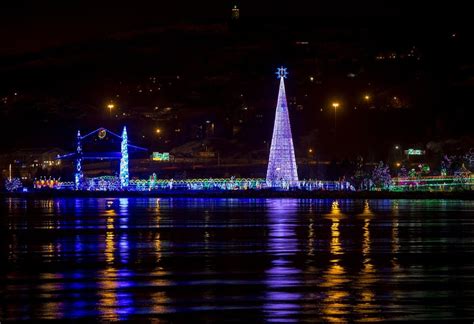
pixel 381 176
pixel 282 170
pixel 124 160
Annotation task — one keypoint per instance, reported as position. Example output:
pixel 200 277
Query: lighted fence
pixel 197 184
pixel 111 183
pixel 231 184
pixel 434 183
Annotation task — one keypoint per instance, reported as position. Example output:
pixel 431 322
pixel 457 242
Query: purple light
pixel 282 170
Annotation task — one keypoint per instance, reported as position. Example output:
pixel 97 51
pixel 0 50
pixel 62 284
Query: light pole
pixel 335 105
pixel 398 152
pixel 110 106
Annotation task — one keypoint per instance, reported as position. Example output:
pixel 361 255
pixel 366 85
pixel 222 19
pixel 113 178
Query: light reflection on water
pixel 334 278
pixel 280 260
pixel 281 302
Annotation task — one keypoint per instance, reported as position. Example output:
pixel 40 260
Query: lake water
pixel 275 260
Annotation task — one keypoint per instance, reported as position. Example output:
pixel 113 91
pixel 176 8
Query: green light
pixel 439 183
pixel 414 152
pixel 157 156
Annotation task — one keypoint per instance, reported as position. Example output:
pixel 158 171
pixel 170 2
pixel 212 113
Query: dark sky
pixel 32 25
pixel 67 56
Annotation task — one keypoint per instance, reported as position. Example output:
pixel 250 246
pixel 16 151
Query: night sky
pixel 60 62
pixel 29 26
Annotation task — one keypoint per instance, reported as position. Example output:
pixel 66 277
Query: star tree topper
pixel 281 72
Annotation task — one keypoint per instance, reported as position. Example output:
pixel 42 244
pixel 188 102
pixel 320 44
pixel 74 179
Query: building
pixel 27 164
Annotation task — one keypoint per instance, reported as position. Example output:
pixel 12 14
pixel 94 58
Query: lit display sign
pixel 157 156
pixel 414 152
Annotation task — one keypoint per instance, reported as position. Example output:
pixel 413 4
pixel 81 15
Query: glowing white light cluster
pixel 281 171
pixel 124 176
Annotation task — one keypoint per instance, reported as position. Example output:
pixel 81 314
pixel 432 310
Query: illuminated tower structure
pixel 235 13
pixel 124 176
pixel 78 175
pixel 84 153
pixel 281 171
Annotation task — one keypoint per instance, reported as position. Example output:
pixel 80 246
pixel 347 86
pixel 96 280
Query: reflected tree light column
pixel 335 307
pixel 282 304
pixel 366 278
pixel 110 237
pixel 116 302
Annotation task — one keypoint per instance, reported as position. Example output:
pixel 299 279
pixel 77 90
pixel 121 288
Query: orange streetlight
pixel 110 106
pixel 335 106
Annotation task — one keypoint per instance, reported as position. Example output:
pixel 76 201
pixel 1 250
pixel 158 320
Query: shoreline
pixel 463 195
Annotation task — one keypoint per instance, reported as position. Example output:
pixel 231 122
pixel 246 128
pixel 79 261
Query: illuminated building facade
pixel 281 171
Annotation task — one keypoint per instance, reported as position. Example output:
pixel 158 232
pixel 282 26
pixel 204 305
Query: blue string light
pixel 78 175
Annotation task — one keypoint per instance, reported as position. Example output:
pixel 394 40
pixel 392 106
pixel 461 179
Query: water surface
pixel 276 260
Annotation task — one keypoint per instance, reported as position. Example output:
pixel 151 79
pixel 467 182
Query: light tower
pixel 235 13
pixel 78 175
pixel 281 171
pixel 124 177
